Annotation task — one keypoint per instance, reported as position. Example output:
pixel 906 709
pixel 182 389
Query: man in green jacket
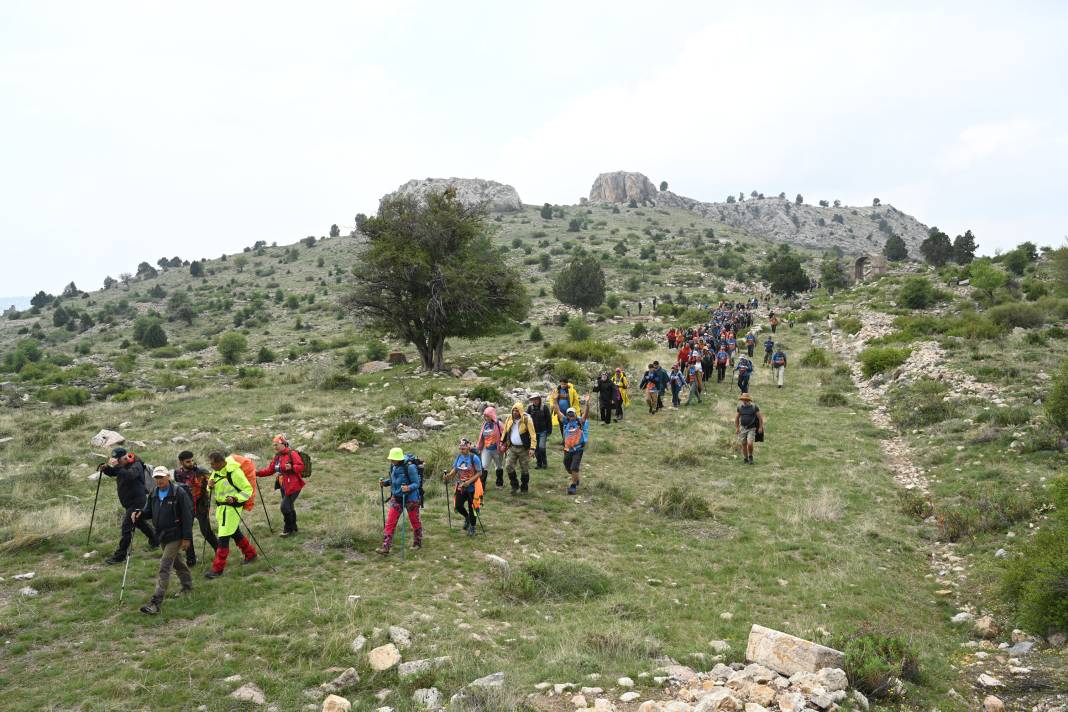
pixel 231 489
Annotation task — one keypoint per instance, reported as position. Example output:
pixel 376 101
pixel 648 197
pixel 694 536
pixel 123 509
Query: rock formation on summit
pixel 497 197
pixel 622 187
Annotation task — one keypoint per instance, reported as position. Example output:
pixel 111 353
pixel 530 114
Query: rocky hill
pixel 856 230
pixel 497 197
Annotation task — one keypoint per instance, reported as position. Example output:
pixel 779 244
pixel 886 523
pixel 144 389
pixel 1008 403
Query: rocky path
pixel 1011 674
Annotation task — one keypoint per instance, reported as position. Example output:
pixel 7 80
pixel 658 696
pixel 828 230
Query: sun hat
pixel 280 438
pixel 161 471
pixel 396 454
pixel 464 442
pixel 745 397
pixel 571 411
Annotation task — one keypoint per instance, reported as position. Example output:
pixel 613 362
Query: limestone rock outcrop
pixel 622 187
pixel 497 197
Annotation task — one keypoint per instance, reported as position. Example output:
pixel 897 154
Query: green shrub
pixel 921 403
pixel 587 350
pixel 572 371
pixel 578 329
pixel 74 421
pixel 376 351
pixel 535 335
pixel 816 358
pixel 1056 404
pixel 916 293
pixel 832 399
pixel 643 345
pixel 916 505
pixel 638 330
pixel 285 409
pixel 131 394
pixel 337 382
pixel 351 430
pixel 810 315
pixel 976 328
pixel 554 578
pixel 1005 417
pixel 873 661
pixel 265 355
pixel 232 346
pixel 678 502
pixel 1036 582
pixel 67 395
pixel 849 324
pixel 1035 338
pixel 350 359
pixel 165 352
pixel 880 359
pixel 405 413
pixel 1016 314
pixel 983 512
pixel 486 392
pixel 196 345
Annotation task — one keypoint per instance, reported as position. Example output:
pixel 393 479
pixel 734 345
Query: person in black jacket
pixel 171 508
pixel 129 474
pixel 606 396
pixel 543 427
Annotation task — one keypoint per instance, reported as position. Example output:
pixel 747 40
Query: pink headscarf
pixel 491 412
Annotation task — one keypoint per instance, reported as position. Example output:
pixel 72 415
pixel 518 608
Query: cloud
pixel 994 139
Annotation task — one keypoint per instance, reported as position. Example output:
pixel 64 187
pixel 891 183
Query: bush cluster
pixel 880 359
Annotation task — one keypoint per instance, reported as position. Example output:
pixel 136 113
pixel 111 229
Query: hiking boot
pixel 191 560
pixel 184 591
pixel 417 545
pixel 382 550
pixel 150 609
pixel 115 558
pixel 285 533
pixel 500 477
pixel 213 574
pixel 572 489
pixel 471 531
pixel 250 559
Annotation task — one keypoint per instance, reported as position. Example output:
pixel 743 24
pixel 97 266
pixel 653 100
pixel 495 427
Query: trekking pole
pixel 448 510
pixel 478 517
pixel 125 571
pixel 254 540
pixel 99 476
pixel 267 515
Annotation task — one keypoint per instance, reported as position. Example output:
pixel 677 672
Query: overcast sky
pixel 130 131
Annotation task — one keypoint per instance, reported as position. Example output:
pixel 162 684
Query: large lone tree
pixel 429 272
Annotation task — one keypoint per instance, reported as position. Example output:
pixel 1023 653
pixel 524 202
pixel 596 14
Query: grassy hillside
pixel 671 543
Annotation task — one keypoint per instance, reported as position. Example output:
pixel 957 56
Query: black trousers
pixel 289 512
pixel 126 536
pixel 721 371
pixel 606 413
pixel 205 531
pixel 465 507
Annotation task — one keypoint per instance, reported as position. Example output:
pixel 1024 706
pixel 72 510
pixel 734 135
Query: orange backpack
pixel 249 468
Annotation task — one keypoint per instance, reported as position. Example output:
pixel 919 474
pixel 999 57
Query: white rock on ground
pixel 497 562
pixel 788 654
pixel 333 703
pixel 413 668
pixel 249 692
pixel 384 657
pixel 428 697
pixel 344 681
pixel 629 696
pixel 106 439
pixel 993 704
pixel 493 680
pixel 625 682
pixel 358 643
pixel 402 637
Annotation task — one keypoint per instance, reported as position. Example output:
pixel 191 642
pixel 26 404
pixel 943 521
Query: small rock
pixel 428 697
pixel 1022 648
pixel 497 562
pixel 719 646
pixel 349 678
pixel 24 577
pixel 993 704
pixel 349 446
pixel 28 591
pixel 358 642
pixel 493 680
pixel 860 699
pixel 469 375
pixel 107 439
pixel 432 423
pixel 726 615
pixel 232 678
pixel 989 681
pixel 625 682
pixel 962 617
pixel 374 367
pixel 579 701
pixel 987 628
pixel 249 692
pixel 384 657
pixel 333 703
pixel 629 696
pixel 791 702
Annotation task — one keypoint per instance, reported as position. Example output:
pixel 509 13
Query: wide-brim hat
pixel 745 397
pixel 161 471
pixel 395 454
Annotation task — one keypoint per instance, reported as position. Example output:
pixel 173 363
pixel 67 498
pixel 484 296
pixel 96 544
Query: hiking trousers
pixel 171 559
pixel 780 374
pixel 694 391
pixel 606 414
pixel 675 400
pixel 465 506
pixel 395 514
pixel 517 455
pixel 201 516
pixel 289 512
pixel 721 372
pixel 126 534
pixel 539 451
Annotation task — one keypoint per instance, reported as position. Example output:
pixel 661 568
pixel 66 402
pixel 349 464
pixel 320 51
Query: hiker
pixel 649 386
pixel 750 342
pixel 231 489
pixel 403 482
pixel 671 338
pixel 489 445
pixel 129 473
pixel 778 362
pixel 773 321
pixel 467 497
pixel 693 381
pixel 566 396
pixel 661 384
pixel 721 364
pixel 576 434
pixel 622 383
pixel 769 346
pixel 519 440
pixel 675 380
pixel 708 363
pixel 287 467
pixel 628 310
pixel 543 426
pixel 170 507
pixel 745 370
pixel 195 480
pixel 748 421
pixel 639 308
pixel 606 396
pixel 654 303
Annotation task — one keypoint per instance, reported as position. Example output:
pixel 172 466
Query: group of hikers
pixel 506 446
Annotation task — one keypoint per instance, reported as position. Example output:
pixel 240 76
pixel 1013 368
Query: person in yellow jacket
pixel 563 397
pixel 230 489
pixel 518 438
pixel 622 382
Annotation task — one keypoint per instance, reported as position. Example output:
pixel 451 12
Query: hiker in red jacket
pixel 288 471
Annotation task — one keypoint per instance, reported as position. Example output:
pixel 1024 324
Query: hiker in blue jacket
pixel 403 483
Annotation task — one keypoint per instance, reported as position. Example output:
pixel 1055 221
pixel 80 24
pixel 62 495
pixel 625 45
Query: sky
pixel 131 130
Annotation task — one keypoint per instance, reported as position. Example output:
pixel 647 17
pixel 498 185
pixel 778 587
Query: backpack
pixel 410 459
pixel 249 468
pixel 748 413
pixel 306 459
pixel 779 359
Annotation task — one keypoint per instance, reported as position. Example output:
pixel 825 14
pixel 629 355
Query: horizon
pixel 138 131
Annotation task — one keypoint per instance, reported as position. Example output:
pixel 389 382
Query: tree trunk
pixel 439 354
pixel 425 354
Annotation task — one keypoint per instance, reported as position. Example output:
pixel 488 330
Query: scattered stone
pixel 1022 648
pixel 788 654
pixel 344 681
pixel 469 375
pixel 432 423
pixel 989 681
pixel 249 692
pixel 625 682
pixel 493 680
pixel 28 591
pixel 358 642
pixel 333 703
pixel 401 636
pixel 232 678
pixel 592 691
pixel 987 628
pixel 428 697
pixel 384 657
pixel 962 617
pixel 860 699
pixel 726 615
pixel 723 699
pixel 24 577
pixel 629 696
pixel 719 646
pixel 497 562
pixel 993 704
pixel 579 701
pixel 375 367
pixel 1056 640
pixel 791 702
pixel 418 667
pixel 349 446
pixel 107 439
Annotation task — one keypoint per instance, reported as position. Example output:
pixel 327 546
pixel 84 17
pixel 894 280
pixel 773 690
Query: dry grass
pixel 825 507
pixel 36 527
